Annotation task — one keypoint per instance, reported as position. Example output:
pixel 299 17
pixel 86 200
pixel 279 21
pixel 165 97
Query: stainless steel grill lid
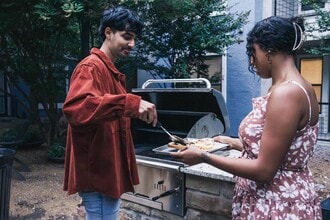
pixel 179 110
pixel 207 126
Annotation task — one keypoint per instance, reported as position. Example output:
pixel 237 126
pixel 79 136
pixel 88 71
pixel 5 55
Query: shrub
pixel 56 150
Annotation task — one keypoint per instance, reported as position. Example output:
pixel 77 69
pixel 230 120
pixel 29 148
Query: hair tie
pixel 295 45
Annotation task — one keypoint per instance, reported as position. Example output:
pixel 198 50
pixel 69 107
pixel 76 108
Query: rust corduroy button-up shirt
pixel 99 150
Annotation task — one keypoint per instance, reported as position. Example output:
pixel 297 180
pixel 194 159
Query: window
pixel 311 70
pixel 214 71
pixel 2 96
pixel 306 7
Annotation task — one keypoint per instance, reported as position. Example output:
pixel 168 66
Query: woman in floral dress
pixel 278 137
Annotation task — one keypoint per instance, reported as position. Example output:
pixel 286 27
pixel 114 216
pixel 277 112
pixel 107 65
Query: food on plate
pixel 176 145
pixel 203 144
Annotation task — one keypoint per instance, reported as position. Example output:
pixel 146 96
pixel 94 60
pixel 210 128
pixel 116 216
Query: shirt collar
pixel 106 60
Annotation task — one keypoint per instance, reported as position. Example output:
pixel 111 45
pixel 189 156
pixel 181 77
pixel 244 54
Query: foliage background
pixel 42 41
pixel 320 30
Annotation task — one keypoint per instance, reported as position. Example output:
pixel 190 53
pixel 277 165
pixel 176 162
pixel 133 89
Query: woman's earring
pixel 251 60
pixel 269 60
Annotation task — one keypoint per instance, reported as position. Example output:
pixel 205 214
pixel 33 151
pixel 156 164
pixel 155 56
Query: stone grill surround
pixel 209 193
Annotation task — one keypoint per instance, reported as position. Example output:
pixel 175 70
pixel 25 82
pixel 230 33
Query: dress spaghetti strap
pixel 309 101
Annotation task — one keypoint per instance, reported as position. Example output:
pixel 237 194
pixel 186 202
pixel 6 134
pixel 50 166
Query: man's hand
pixel 147 112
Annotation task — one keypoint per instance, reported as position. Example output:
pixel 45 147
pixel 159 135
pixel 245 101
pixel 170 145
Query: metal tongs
pixel 172 137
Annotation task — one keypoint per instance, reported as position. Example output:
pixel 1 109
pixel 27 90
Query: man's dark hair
pixel 120 19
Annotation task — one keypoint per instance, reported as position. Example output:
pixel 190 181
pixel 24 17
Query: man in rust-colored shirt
pixel 100 161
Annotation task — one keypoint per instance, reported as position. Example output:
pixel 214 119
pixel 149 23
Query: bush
pixel 56 150
pixel 33 134
pixel 8 134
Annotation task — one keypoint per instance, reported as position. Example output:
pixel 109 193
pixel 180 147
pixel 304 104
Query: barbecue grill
pixel 186 112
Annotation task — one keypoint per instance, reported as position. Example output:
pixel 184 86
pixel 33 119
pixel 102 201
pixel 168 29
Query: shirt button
pixel 124 129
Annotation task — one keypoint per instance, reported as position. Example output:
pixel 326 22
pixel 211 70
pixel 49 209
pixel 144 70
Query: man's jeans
pixel 99 206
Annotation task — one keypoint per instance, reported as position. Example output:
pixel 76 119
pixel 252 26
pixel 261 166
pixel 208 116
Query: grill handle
pixel 198 80
pixel 167 193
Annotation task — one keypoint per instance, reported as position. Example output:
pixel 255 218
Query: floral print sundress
pixel 291 194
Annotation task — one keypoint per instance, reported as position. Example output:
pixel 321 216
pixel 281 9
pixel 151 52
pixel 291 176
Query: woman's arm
pixel 285 110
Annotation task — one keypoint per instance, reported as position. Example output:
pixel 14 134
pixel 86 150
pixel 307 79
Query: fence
pixel 324 131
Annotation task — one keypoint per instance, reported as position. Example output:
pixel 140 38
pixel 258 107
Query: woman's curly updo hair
pixel 276 34
pixel 120 19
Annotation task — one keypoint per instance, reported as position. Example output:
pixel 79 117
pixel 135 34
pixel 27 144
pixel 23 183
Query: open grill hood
pixel 178 110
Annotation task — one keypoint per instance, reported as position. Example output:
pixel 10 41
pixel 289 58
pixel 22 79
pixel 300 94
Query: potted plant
pixel 56 152
pixel 12 133
pixel 8 134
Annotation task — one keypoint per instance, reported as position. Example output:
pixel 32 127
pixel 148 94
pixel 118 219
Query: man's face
pixel 121 43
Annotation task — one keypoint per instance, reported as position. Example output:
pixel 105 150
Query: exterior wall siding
pixel 242 85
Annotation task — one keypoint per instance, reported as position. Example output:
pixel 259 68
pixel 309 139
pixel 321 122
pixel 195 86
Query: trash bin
pixel 6 162
pixel 325 206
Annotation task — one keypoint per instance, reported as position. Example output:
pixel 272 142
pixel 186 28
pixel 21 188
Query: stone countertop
pixel 209 171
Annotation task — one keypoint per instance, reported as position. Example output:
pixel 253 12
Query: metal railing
pixel 324 131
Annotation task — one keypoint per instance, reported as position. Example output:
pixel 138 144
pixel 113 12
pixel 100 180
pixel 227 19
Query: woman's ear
pixel 269 58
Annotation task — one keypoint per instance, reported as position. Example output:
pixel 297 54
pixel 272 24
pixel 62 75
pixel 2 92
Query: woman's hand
pixel 189 155
pixel 233 143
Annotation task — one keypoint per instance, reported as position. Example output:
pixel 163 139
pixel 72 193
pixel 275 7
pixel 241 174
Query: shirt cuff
pixel 132 106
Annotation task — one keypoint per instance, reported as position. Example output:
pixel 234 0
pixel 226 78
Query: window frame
pixel 309 7
pixel 310 11
pixel 300 59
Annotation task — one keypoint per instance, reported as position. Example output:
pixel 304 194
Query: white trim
pixel 59 106
pixel 224 75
